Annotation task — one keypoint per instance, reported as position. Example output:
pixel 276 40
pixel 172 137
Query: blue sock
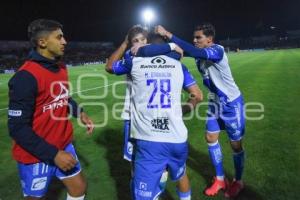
pixel 216 157
pixel 184 195
pixel 238 159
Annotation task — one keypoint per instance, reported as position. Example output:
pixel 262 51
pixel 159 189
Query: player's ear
pixel 42 43
pixel 210 39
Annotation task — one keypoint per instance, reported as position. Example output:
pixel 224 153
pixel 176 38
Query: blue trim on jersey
pixel 188 79
pixel 213 53
pixel 121 67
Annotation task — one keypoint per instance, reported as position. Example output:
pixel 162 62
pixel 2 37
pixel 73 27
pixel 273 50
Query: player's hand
pixel 64 160
pixel 162 31
pixel 126 41
pixel 179 50
pixel 88 122
pixel 136 48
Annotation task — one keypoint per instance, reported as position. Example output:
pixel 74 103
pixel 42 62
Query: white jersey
pixel 155 103
pixel 126 109
pixel 217 76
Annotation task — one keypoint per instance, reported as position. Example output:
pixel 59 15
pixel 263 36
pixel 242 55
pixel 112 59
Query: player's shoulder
pixel 217 47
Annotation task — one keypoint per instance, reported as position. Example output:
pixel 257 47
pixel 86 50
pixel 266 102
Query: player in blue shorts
pixel 156 121
pixel 137 35
pixel 225 111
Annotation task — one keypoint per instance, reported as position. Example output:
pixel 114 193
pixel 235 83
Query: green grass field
pixel 272 168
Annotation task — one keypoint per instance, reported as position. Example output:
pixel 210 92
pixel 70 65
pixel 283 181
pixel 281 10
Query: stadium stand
pixel 13 53
pixel 291 39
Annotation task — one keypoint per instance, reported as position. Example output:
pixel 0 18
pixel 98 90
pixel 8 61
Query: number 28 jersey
pixel 155 102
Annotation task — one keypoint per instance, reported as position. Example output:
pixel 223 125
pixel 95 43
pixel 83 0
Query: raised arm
pixel 214 53
pixel 115 56
pixel 195 94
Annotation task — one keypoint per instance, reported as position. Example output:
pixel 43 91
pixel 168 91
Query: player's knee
pixel 78 189
pixel 236 146
pixel 211 138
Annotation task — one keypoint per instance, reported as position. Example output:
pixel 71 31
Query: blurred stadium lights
pixel 148 15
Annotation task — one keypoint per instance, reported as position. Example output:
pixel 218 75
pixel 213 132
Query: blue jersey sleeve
pixel 153 50
pixel 188 79
pixel 214 53
pixel 124 66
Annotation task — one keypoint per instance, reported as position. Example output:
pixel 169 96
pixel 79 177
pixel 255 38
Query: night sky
pixel 91 20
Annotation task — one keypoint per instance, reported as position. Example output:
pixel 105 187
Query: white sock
pixel 221 178
pixel 74 198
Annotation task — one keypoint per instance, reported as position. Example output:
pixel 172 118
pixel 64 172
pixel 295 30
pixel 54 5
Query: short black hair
pixel 136 29
pixel 39 27
pixel 155 38
pixel 207 28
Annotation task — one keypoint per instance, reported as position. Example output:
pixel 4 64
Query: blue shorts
pixel 35 178
pixel 227 116
pixel 151 160
pixel 128 144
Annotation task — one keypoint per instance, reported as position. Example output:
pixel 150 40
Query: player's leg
pixel 149 164
pixel 235 128
pixel 213 128
pixel 73 179
pixel 183 188
pixel 76 187
pixel 35 179
pixel 177 168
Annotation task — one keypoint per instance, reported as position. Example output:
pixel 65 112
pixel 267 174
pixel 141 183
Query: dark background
pixel 91 20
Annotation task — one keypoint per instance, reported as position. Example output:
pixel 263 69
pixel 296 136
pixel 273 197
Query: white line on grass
pixel 87 90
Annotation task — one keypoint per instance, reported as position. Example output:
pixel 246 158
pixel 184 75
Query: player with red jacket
pixel 39 106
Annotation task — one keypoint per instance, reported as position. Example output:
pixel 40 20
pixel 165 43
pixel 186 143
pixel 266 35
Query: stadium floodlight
pixel 148 17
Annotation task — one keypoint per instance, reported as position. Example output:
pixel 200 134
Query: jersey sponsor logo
pixel 60 100
pixel 161 123
pixel 39 183
pixel 158 60
pixel 15 113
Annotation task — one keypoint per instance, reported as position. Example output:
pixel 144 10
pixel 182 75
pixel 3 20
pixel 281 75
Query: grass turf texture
pixel 272 144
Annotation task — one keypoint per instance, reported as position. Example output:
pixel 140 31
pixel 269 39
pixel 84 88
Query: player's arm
pixel 74 108
pixel 121 67
pixel 117 55
pixel 78 111
pixel 214 53
pixel 195 94
pixel 22 94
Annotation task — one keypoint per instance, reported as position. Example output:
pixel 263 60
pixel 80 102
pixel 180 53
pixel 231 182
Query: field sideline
pixel 272 144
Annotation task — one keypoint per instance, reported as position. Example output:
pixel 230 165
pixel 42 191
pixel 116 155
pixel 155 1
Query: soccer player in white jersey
pixel 136 36
pixel 226 104
pixel 156 121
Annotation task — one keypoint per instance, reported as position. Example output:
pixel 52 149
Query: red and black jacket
pixel 38 110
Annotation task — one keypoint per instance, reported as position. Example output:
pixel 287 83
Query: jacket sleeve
pixel 22 93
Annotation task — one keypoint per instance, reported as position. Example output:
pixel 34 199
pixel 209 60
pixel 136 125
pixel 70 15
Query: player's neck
pixel 210 44
pixel 45 53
